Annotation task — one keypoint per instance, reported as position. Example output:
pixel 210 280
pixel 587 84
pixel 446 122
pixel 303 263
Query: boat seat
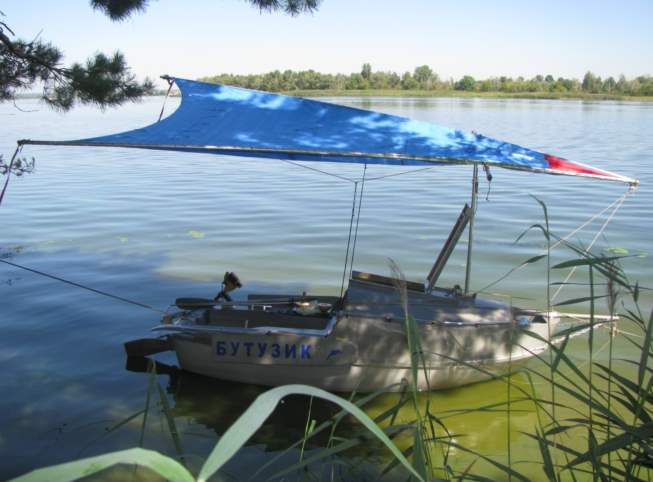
pixel 291 298
pixel 386 281
pixel 255 318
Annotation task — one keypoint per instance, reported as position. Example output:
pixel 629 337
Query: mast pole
pixel 470 242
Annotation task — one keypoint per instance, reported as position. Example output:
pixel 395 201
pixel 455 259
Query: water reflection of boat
pixel 357 340
pixel 215 404
pixel 204 408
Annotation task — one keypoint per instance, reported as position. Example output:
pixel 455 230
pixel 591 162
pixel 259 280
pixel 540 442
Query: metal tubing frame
pixel 447 249
pixel 470 242
pixel 363 156
pixel 192 327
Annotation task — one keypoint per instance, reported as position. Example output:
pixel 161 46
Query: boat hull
pixel 453 356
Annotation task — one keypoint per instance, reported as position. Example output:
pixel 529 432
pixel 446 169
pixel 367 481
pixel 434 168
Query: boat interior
pixel 368 296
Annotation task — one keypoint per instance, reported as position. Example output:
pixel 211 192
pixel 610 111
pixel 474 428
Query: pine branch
pixel 118 10
pixel 103 80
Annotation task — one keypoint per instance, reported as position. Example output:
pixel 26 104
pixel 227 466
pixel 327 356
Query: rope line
pixel 400 173
pixel 563 239
pixel 350 261
pixel 344 178
pixel 590 220
pixel 358 217
pixel 596 237
pixel 351 223
pixel 99 292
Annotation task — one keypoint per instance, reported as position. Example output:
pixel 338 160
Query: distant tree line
pixel 424 78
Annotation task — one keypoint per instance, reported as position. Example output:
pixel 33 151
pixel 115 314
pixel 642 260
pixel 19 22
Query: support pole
pixel 171 82
pixel 351 224
pixel 470 242
pixel 19 147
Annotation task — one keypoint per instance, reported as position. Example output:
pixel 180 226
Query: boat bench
pixel 258 319
pixel 385 280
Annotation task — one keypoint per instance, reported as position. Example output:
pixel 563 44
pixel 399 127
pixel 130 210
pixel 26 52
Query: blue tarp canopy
pixel 241 122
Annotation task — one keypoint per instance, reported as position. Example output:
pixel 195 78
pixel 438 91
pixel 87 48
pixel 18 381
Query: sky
pixel 196 38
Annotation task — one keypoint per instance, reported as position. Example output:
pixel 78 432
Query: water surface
pixel 154 226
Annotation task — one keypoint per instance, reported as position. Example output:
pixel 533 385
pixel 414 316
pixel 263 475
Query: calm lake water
pixel 153 226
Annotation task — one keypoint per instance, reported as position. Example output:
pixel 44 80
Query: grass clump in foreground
pixel 610 437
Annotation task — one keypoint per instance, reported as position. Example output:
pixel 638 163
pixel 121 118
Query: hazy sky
pixel 193 38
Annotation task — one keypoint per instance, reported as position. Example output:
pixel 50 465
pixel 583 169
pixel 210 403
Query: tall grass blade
pixel 612 303
pixel 167 468
pixel 623 381
pixel 620 442
pixel 124 422
pixel 334 426
pixel 323 426
pixel 463 474
pixel 590 341
pixel 532 260
pixel 421 458
pixel 562 348
pixel 563 356
pixel 346 444
pixel 407 452
pixel 643 362
pixel 582 299
pixel 250 421
pixel 570 451
pixel 594 455
pixel 547 236
pixel 498 407
pixel 504 468
pixel 308 428
pixel 544 230
pixel 148 396
pixel 318 457
pixel 172 426
pixel 591 260
pixel 547 459
pixel 605 268
pixel 419 461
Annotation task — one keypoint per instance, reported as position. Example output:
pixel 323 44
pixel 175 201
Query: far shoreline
pixel 389 93
pixel 466 94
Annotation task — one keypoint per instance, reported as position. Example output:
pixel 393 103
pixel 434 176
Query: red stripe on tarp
pixel 564 165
